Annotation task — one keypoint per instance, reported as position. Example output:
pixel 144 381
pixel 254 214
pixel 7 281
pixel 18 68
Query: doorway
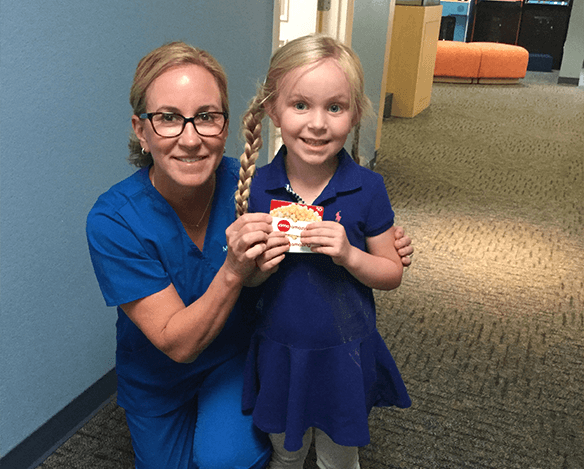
pixel 293 18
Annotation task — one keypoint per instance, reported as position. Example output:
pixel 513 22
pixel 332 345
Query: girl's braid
pixel 252 132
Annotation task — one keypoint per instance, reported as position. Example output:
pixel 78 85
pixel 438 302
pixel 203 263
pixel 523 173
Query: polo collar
pixel 347 177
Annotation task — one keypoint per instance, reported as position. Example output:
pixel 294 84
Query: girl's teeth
pixel 314 142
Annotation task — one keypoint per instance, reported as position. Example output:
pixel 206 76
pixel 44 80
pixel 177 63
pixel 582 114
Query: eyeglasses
pixel 171 124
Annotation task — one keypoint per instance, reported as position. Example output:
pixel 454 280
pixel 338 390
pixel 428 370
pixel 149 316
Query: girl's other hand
pixel 403 245
pixel 328 237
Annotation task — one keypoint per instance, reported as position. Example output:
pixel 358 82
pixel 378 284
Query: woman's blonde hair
pixel 155 64
pixel 296 53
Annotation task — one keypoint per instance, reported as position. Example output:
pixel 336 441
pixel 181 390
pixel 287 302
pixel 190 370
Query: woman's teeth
pixel 190 160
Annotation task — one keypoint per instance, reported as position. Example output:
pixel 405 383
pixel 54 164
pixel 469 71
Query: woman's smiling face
pixel 188 160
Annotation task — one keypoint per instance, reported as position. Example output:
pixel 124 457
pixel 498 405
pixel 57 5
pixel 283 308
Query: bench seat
pixel 480 62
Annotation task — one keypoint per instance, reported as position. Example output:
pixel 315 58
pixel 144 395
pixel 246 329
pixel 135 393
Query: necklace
pixel 206 208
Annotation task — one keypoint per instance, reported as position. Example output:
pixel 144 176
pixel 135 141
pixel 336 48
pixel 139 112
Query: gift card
pixel 291 218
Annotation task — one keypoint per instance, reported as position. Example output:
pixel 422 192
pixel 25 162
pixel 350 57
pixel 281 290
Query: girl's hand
pixel 247 239
pixel 403 245
pixel 330 238
pixel 379 267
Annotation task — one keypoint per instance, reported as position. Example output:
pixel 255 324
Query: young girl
pixel 317 363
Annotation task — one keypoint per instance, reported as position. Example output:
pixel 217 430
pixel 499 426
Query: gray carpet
pixel 487 327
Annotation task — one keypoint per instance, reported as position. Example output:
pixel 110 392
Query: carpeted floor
pixel 488 325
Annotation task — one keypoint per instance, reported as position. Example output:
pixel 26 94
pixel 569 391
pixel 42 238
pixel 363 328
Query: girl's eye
pixel 300 106
pixel 335 108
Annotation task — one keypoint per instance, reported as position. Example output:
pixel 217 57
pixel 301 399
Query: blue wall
pixel 65 74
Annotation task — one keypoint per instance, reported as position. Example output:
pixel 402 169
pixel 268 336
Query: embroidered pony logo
pixel 338 217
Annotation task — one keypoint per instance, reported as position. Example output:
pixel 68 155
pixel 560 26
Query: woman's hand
pixel 268 262
pixel 403 245
pixel 247 239
pixel 276 248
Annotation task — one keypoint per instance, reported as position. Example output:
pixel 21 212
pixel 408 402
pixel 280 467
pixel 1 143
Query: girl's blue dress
pixel 317 359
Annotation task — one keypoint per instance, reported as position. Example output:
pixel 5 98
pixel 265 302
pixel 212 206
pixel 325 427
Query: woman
pixel 169 254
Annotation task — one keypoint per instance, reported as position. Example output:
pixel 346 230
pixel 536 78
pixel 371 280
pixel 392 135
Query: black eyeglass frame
pixel 186 120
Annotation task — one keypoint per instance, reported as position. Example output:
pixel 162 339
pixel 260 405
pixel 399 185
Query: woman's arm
pixel 380 267
pixel 183 332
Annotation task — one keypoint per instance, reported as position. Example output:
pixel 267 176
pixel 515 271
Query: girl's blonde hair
pixel 153 65
pixel 296 53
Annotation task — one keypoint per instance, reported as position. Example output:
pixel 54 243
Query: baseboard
pixel 568 81
pixel 43 442
pixel 387 105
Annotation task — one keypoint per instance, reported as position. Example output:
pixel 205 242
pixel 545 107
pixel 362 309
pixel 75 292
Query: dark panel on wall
pixel 543 30
pixel 447 25
pixel 497 21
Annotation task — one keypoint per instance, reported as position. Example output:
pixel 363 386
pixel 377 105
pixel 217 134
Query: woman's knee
pixel 235 455
pixel 225 437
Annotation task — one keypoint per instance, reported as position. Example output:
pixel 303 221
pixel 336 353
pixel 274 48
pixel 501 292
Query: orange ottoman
pixel 480 62
pixel 456 62
pixel 501 62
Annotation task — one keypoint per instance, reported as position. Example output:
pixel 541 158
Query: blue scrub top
pixel 138 247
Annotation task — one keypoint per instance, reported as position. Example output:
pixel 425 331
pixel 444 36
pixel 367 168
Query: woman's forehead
pixel 184 84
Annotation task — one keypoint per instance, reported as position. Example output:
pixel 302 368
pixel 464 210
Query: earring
pixel 144 152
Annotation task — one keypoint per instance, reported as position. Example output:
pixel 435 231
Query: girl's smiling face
pixel 313 111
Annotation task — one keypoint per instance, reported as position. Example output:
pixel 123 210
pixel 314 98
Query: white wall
pixel 369 37
pixel 574 46
pixel 299 19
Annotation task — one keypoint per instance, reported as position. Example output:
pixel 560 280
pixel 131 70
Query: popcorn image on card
pixel 292 218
